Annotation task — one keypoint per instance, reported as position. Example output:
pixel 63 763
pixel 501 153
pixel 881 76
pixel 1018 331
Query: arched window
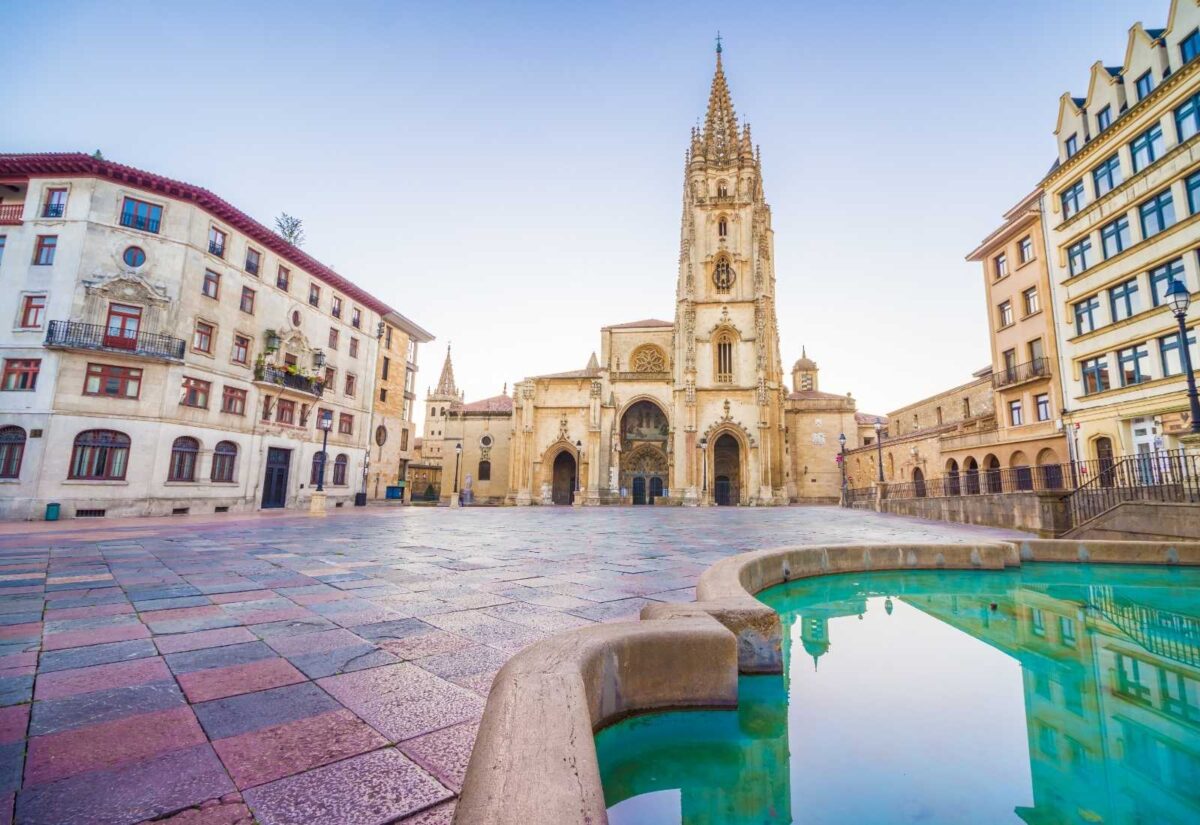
pixel 722 189
pixel 224 457
pixel 724 358
pixel 318 469
pixel 723 275
pixel 100 454
pixel 183 459
pixel 485 471
pixel 339 469
pixel 12 450
pixel 722 227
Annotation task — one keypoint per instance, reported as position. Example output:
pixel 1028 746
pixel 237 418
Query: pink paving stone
pixel 219 682
pixel 425 644
pixel 93 612
pixel 17 631
pixel 18 660
pixel 62 683
pixel 319 642
pixel 321 598
pixel 110 744
pixel 228 810
pixel 6 808
pixel 373 788
pixel 273 753
pixel 442 814
pixel 244 596
pixel 276 614
pixel 205 611
pixel 203 638
pixel 402 701
pixel 14 721
pixel 444 753
pixel 94 636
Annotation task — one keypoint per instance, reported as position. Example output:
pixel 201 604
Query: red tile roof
pixel 649 322
pixel 495 404
pixel 77 164
pixel 815 395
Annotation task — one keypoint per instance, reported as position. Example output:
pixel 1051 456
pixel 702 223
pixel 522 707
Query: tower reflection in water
pixel 1110 670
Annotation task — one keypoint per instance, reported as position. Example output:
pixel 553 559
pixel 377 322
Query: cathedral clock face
pixel 723 276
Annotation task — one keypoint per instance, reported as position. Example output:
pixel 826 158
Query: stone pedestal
pixel 1190 442
pixel 316 504
pixel 454 502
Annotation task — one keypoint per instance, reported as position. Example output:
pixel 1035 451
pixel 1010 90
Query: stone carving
pixel 648 358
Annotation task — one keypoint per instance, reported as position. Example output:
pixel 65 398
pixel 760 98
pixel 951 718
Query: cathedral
pixel 693 411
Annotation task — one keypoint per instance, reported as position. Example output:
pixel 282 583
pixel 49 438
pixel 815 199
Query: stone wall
pixel 1041 513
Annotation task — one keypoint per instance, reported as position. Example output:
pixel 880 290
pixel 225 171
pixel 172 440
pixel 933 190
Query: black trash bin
pixel 360 499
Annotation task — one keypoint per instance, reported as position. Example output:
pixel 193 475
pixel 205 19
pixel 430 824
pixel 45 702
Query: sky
pixel 509 175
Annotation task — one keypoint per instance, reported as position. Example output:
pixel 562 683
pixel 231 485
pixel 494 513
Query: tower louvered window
pixel 725 358
pixel 723 276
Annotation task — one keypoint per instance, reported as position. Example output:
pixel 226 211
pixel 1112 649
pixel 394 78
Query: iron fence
pixel 94 336
pixel 293 381
pixel 1037 368
pixel 1161 475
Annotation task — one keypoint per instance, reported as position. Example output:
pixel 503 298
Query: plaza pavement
pixel 291 669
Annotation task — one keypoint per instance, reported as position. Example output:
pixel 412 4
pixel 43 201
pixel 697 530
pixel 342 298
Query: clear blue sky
pixel 509 175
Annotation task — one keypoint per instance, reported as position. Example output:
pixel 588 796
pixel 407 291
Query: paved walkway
pixel 209 671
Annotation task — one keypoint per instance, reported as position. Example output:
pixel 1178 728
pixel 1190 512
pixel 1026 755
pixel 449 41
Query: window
pixel 339 470
pixel 1158 213
pixel 20 374
pixel 333 338
pixel 253 259
pixel 283 278
pixel 1095 375
pixel 202 337
pixel 12 450
pixel 183 459
pixel 1036 353
pixel 1123 300
pixel 404 439
pixel 1144 84
pixel 1010 363
pixel 112 381
pixel 3 239
pixel 353 347
pixel 1006 314
pixel 383 393
pixel 1193 194
pixel 123 326
pixel 43 252
pixel 1072 199
pixel 722 275
pixel 1161 277
pixel 194 393
pixel 241 350
pixel 1079 256
pixel 351 384
pixel 317 475
pixel 722 189
pixel 356 318
pixel 1114 237
pixel 387 365
pixel 330 376
pixel 314 295
pixel 33 311
pixel 346 424
pixel 266 409
pixel 212 284
pixel 1030 297
pixel 1066 631
pixel 1172 355
pixel 1026 249
pixel 1187 118
pixel 137 214
pixel 56 203
pixel 134 256
pixel 216 242
pixel 387 340
pixel 485 471
pixel 1107 175
pixel 335 306
pixel 100 455
pixel 722 228
pixel 1042 402
pixel 224 457
pixel 1147 148
pixel 1104 118
pixel 1014 413
pixel 233 401
pixel 1000 264
pixel 725 358
pixel 1072 144
pixel 1085 314
pixel 1130 364
pixel 247 302
pixel 285 411
pixel 1189 47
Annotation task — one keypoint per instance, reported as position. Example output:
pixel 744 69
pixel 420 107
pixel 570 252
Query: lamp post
pixel 879 445
pixel 842 461
pixel 1179 298
pixel 325 422
pixel 576 499
pixel 457 461
pixel 702 444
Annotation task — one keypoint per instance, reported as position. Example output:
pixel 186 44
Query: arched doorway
pixel 992 480
pixel 644 449
pixel 1050 473
pixel 563 485
pixel 919 482
pixel 1022 474
pixel 953 488
pixel 727 471
pixel 656 488
pixel 639 490
pixel 971 468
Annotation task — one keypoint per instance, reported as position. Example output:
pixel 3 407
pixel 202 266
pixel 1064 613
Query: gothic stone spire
pixel 446 382
pixel 721 139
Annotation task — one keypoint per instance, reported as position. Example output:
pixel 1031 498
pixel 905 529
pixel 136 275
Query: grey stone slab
pixel 264 709
pixel 55 715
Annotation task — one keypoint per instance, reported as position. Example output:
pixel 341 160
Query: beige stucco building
pixel 1122 209
pixel 167 353
pixel 393 433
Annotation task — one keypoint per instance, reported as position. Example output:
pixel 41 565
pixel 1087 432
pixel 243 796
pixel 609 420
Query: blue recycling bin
pixel 394 493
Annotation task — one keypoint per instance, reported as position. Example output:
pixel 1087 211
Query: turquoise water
pixel 1049 694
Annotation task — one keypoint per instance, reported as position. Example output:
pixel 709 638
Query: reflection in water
pixel 1109 663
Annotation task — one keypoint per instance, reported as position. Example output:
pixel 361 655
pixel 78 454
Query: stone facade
pixel 393 438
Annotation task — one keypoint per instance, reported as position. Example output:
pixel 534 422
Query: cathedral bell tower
pixel 727 366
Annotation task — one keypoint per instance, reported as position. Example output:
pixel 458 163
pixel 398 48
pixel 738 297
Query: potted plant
pixel 272 340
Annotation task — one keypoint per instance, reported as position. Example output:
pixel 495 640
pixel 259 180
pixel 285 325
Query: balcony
pixel 10 213
pixel 74 335
pixel 268 374
pixel 53 210
pixel 217 249
pixel 1019 374
pixel 142 222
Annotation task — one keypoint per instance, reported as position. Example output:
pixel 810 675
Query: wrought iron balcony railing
pixel 1020 373
pixel 217 249
pixel 142 222
pixel 53 210
pixel 283 378
pixel 75 335
pixel 10 213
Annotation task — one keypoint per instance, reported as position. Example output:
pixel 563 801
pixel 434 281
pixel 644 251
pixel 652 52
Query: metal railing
pixel 75 335
pixel 293 381
pixel 1163 475
pixel 1019 373
pixel 143 222
pixel 1164 632
pixel 10 213
pixel 53 210
pixel 217 249
pixel 987 481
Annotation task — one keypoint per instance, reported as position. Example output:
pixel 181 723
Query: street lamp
pixel 457 463
pixel 703 445
pixel 842 461
pixel 325 422
pixel 879 445
pixel 1179 298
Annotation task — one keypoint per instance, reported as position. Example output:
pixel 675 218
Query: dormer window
pixel 1072 145
pixel 1145 85
pixel 1104 118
